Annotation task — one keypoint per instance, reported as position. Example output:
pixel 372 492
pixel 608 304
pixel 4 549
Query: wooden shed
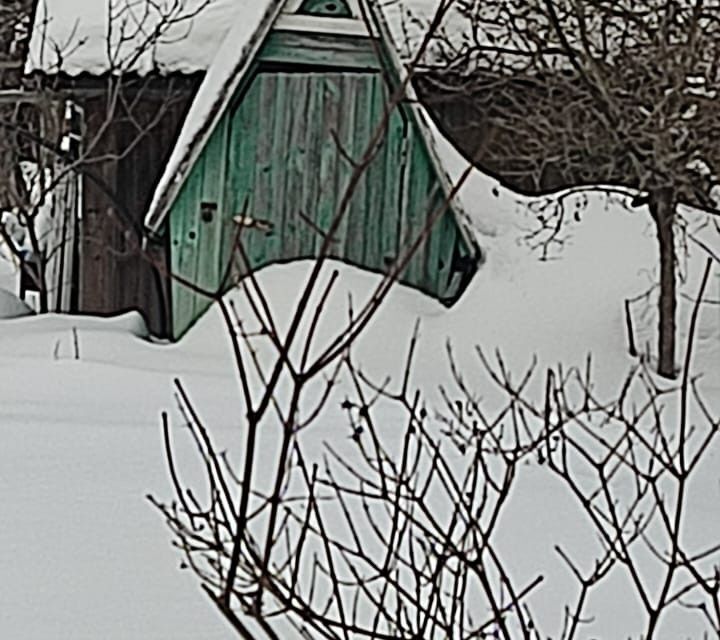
pixel 132 109
pixel 271 141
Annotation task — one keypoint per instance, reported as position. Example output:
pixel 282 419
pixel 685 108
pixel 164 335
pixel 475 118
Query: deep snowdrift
pixel 85 557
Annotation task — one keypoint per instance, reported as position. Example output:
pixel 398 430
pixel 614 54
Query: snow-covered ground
pixel 84 556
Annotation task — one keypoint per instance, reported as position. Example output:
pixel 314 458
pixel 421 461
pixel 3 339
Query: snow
pixel 218 87
pixel 82 554
pixel 11 306
pixel 72 35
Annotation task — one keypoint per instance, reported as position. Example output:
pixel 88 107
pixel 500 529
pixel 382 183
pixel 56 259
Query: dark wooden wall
pixel 128 137
pixel 128 142
pixel 480 122
pixel 542 134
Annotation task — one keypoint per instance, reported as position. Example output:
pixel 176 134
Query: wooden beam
pixel 319 24
pixel 12 96
pixel 291 47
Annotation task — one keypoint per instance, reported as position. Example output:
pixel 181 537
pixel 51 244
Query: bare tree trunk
pixel 43 305
pixel 662 209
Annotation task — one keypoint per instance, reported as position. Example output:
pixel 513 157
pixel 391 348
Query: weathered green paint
pixel 331 8
pixel 323 50
pixel 285 150
pixel 196 238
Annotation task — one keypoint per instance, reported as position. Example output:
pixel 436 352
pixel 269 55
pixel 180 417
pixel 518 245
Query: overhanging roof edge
pixel 182 159
pixel 421 118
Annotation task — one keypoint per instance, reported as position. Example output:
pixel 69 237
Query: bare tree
pixel 580 94
pixel 397 534
pixel 399 537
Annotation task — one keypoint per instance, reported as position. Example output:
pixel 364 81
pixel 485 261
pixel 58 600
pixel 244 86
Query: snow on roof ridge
pixel 220 84
pixel 215 92
pixel 71 36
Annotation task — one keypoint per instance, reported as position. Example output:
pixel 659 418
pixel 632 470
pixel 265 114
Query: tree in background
pixel 578 94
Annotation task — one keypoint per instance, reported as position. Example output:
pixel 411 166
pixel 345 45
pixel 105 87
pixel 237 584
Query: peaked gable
pixel 233 61
pixel 271 144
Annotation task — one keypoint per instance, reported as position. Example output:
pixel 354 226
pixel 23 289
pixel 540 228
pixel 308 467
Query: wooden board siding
pixel 61 236
pixel 277 149
pixel 114 277
pixel 292 47
pixel 196 232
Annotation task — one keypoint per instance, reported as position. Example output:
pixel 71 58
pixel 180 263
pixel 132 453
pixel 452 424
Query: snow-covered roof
pixel 73 35
pixel 97 36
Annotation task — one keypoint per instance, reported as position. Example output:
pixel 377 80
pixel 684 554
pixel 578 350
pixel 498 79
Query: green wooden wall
pixel 283 152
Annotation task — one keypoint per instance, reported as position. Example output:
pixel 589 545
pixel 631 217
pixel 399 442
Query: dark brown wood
pixel 662 208
pixel 632 347
pixel 126 162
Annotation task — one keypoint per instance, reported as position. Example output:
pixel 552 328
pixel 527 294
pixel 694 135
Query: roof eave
pixel 166 193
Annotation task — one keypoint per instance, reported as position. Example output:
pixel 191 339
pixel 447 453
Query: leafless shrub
pixel 393 530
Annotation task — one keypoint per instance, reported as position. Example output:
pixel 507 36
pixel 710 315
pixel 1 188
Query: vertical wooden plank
pixel 60 237
pixel 250 136
pixel 446 232
pixel 313 140
pixel 419 181
pixel 276 184
pixel 263 118
pixel 378 180
pixel 191 254
pixel 433 243
pixel 362 126
pixel 330 157
pixel 392 195
pixel 343 169
pixel 177 229
pixel 209 223
pixel 240 171
pixel 184 227
pixel 234 191
pixel 299 87
pixel 283 176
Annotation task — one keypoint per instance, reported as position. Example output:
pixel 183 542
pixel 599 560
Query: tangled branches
pixel 397 530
